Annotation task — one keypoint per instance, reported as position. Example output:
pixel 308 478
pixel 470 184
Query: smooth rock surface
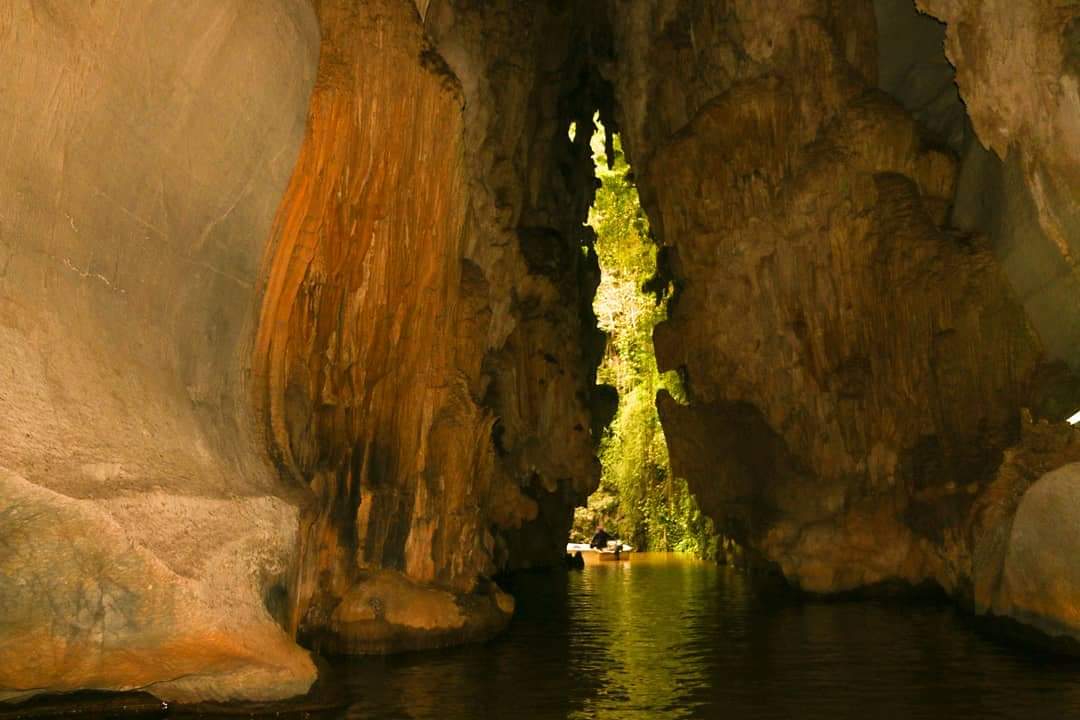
pixel 386 611
pixel 157 592
pixel 143 149
pixel 1040 583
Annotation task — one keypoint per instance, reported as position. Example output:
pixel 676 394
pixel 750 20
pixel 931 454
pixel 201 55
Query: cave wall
pixel 913 69
pixel 867 218
pixel 1017 180
pixel 422 355
pixel 296 299
pixel 357 354
pixel 297 303
pixel 527 74
pixel 1018 74
pixel 145 149
pixel 855 364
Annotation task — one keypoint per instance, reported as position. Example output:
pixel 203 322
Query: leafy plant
pixel 639 499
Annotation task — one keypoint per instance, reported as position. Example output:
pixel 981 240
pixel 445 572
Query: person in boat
pixel 600 539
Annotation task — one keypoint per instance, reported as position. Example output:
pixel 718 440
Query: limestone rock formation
pixel 856 365
pixel 154 591
pixel 145 148
pixel 1018 74
pixel 420 357
pixel 295 301
pixel 386 611
pixel 321 425
pixel 1040 581
pixel 1013 556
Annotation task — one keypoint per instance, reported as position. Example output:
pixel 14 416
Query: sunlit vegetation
pixel 639 500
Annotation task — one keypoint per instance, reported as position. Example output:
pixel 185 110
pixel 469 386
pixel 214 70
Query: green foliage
pixel 639 498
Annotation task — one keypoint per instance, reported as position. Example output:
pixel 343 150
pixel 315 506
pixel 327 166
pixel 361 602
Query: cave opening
pixel 640 500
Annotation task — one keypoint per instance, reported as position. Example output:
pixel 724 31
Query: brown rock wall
pixel 526 76
pixel 1039 583
pixel 865 364
pixel 356 352
pixel 419 356
pixel 416 335
pixel 223 429
pixel 1019 79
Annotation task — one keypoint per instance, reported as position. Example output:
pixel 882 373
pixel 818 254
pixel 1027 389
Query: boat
pixel 615 550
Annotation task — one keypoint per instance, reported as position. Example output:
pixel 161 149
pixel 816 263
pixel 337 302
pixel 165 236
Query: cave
pixel 301 357
pixel 640 504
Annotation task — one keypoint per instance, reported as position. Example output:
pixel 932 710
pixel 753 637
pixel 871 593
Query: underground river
pixel 665 636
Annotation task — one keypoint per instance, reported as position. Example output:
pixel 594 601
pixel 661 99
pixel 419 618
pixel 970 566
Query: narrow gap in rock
pixel 639 501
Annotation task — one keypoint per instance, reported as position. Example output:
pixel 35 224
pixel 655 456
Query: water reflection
pixel 637 637
pixel 668 637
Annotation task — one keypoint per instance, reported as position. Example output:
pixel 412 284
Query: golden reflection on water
pixel 667 637
pixel 636 637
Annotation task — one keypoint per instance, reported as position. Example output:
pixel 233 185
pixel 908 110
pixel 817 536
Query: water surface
pixel 665 636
